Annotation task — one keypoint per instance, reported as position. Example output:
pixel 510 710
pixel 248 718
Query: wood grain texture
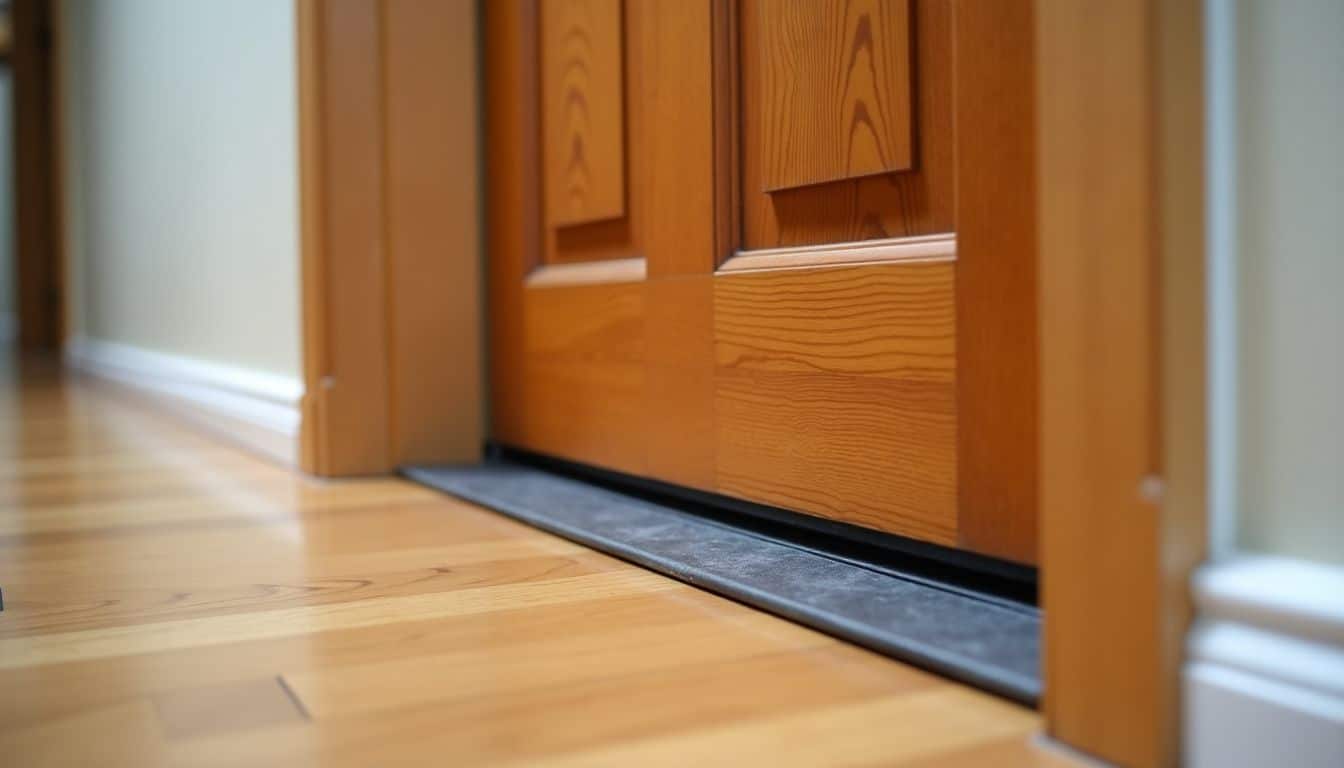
pixel 432 230
pixel 668 123
pixel 312 264
pixel 834 394
pixel 583 374
pixel 813 398
pixel 918 201
pixel 1120 215
pixel 345 316
pixel 997 399
pixel 679 380
pixel 513 206
pixel 583 110
pixel 835 90
pixel 681 214
pixel 1098 407
pixel 391 632
pixel 727 89
pixel 591 346
pixel 677 110
pixel 621 236
pixel 936 247
pixel 390 243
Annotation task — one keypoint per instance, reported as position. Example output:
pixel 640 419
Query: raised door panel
pixel 834 90
pixel 583 110
pixel 592 129
pixel 597 360
pixel 869 200
pixel 835 317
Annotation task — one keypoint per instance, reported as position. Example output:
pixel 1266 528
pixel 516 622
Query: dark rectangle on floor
pixel 986 642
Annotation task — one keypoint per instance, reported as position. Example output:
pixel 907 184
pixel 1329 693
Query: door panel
pixel 593 356
pixel 996 279
pixel 583 373
pixel 834 89
pixel 679 388
pixel 916 201
pixel 592 172
pixel 584 111
pixel 834 393
pixel 777 311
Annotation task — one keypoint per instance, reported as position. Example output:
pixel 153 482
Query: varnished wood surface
pixel 588 273
pixel 513 208
pixel 432 231
pixel 345 315
pixel 675 41
pixel 918 201
pixel 1122 389
pixel 834 393
pixel 835 90
pixel 169 600
pixel 658 345
pixel 583 110
pixel 583 375
pixel 390 239
pixel 929 247
pixel 997 411
pixel 680 380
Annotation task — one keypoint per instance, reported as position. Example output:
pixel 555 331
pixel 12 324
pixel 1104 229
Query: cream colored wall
pixel 181 178
pixel 1290 179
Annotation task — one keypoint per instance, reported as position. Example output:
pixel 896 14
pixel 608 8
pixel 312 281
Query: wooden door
pixel 780 250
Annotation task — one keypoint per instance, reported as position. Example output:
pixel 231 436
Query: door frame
pixel 390 236
pixel 1123 413
pixel 1122 436
pixel 39 273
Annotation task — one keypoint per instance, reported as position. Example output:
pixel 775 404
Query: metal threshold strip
pixel 981 640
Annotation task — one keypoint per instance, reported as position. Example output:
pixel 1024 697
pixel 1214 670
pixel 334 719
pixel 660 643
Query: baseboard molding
pixel 1264 682
pixel 257 410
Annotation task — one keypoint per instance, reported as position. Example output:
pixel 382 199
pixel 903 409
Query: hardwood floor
pixel 171 600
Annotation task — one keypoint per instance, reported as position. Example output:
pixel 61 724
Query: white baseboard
pixel 1264 682
pixel 258 410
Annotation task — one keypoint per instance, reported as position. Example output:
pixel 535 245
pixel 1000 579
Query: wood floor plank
pixel 161 636
pixel 124 733
pixel 228 708
pixel 140 606
pixel 480 671
pixel 912 725
pixel 531 724
pixel 170 600
pixel 100 682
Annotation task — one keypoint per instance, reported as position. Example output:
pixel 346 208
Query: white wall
pixel 1290 180
pixel 181 178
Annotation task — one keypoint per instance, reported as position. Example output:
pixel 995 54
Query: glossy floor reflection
pixel 172 600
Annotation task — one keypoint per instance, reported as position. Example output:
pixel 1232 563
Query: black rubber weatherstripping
pixel 981 639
